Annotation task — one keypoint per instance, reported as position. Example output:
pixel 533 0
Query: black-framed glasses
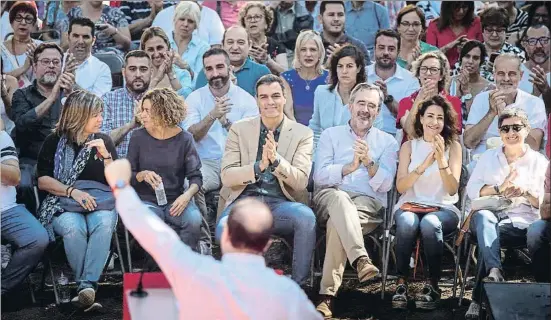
pixel 534 41
pixel 28 19
pixel 415 25
pixel 432 70
pixel 47 62
pixel 500 30
pixel 507 127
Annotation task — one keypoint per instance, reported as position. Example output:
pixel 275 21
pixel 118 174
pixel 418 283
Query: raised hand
pixel 508 180
pixel 100 147
pixel 222 106
pixel 539 79
pixel 362 149
pixel 497 101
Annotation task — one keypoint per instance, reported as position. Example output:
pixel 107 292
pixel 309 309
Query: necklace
pixel 308 84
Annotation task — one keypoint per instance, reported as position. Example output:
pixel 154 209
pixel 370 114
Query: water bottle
pixel 161 195
pixel 63 288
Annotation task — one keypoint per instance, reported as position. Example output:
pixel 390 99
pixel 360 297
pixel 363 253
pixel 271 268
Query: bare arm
pixel 10 173
pixel 534 139
pixel 474 133
pixel 138 26
pixel 450 175
pixel 288 109
pixel 200 129
pixel 7 94
pixel 53 186
pixel 405 180
pixel 545 208
pixel 117 135
pixel 275 66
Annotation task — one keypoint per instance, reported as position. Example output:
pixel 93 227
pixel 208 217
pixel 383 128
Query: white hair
pixel 188 9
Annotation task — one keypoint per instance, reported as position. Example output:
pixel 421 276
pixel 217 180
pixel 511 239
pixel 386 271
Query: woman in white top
pixel 9 85
pixel 513 171
pixel 428 175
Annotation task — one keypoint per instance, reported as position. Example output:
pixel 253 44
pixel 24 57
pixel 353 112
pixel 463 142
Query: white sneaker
pixel 474 310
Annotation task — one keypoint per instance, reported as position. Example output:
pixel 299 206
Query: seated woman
pixel 156 44
pixel 307 74
pixel 76 152
pixel 163 156
pixel 513 171
pixel 432 158
pixel 411 25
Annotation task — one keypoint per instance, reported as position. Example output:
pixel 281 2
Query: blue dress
pixel 303 94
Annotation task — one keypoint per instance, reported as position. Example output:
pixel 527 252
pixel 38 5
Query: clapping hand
pixel 362 150
pixel 260 54
pixel 539 79
pixel 271 146
pixel 439 148
pixel 70 64
pixel 100 147
pixel 497 101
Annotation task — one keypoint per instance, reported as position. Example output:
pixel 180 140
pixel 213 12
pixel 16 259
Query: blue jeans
pixel 491 237
pixel 187 225
pixel 538 238
pixel 432 226
pixel 29 239
pixel 290 219
pixel 87 239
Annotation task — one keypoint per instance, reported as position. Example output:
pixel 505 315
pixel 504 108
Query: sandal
pixel 400 297
pixel 428 299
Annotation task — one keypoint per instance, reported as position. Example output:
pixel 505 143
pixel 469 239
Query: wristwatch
pixel 119 184
pixel 370 164
pixel 389 99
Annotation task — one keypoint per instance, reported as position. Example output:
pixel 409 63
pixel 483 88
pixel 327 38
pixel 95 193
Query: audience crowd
pixel 320 110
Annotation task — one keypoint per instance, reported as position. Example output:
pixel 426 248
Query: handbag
pixel 105 200
pixel 418 208
pixel 491 203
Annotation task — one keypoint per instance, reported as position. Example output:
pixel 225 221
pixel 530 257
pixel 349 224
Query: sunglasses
pixel 515 127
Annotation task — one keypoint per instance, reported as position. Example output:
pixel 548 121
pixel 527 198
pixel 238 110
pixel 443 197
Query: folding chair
pixel 115 63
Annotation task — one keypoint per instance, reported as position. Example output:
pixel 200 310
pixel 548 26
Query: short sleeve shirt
pixel 7 152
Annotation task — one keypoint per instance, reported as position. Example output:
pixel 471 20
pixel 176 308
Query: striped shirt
pixel 520 22
pixel 119 110
pixel 7 152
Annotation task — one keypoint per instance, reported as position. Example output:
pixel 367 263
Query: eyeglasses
pixel 47 62
pixel 516 127
pixel 541 17
pixel 256 17
pixel 496 30
pixel 432 70
pixel 534 41
pixel 415 25
pixel 28 19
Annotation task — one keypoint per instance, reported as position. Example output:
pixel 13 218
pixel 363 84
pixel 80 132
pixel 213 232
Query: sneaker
pixel 366 270
pixel 428 299
pixel 86 297
pixel 94 307
pixel 6 255
pixel 205 248
pixel 325 306
pixel 473 312
pixel 400 297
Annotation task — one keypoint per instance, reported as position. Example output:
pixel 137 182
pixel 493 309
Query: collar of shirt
pixel 132 95
pixel 241 258
pixel 277 130
pixel 192 42
pixel 290 10
pixel 247 65
pixel 34 88
pixel 349 7
pixel 354 133
pixel 399 73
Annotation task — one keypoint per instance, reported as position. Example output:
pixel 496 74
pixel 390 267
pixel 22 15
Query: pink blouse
pixel 229 11
pixel 439 38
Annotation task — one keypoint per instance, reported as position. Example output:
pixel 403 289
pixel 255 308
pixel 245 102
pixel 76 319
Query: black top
pixel 174 159
pixel 275 48
pixel 346 39
pixel 94 169
pixel 30 130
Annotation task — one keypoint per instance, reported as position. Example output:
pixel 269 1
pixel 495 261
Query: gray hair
pixel 301 40
pixel 508 56
pixel 188 8
pixel 366 86
pixel 514 111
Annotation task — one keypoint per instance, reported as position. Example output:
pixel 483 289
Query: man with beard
pixel 118 111
pixel 91 74
pixel 355 168
pixel 536 76
pixel 395 82
pixel 332 18
pixel 211 111
pixel 487 106
pixel 36 110
pixel 237 44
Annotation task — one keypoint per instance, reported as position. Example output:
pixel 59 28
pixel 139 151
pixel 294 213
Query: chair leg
pixel 54 284
pixel 471 249
pixel 31 289
pixel 119 252
pixel 128 253
pixel 457 271
pixel 387 243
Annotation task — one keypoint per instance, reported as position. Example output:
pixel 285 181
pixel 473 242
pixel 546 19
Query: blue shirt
pixel 193 54
pixel 364 23
pixel 303 93
pixel 247 76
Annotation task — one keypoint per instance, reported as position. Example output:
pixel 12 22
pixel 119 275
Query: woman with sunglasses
pixel 457 24
pixel 516 172
pixel 411 25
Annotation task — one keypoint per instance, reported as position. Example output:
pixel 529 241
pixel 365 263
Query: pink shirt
pixel 229 11
pixel 439 38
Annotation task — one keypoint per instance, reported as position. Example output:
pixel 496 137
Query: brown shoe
pixel 366 269
pixel 325 306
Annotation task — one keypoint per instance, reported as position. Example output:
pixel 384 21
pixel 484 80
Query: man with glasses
pixel 536 76
pixel 481 123
pixel 36 110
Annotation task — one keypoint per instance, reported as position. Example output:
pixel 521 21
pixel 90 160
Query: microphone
pixel 139 292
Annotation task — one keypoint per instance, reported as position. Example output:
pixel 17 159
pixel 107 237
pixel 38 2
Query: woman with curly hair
pixel 163 156
pixel 432 158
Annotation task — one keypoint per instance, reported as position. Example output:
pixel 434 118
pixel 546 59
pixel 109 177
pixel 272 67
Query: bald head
pixel 250 225
pixel 236 43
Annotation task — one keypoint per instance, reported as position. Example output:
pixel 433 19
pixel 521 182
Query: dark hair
pixel 388 33
pixel 269 79
pixel 135 54
pixel 449 131
pixel 446 14
pixel 153 32
pixel 22 7
pixel 470 45
pixel 520 42
pixel 411 8
pixel 44 46
pixel 324 4
pixel 217 51
pixel 534 5
pixel 82 21
pixel 347 50
pixel 494 17
pixel 240 236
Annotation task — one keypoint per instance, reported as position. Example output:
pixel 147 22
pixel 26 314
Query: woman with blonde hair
pixel 79 205
pixel 165 65
pixel 307 74
pixel 163 156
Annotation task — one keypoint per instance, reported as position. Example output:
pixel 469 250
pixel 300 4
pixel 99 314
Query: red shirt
pixel 439 38
pixel 407 103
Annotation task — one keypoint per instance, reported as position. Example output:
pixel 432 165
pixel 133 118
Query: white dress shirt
pixel 525 84
pixel 93 75
pixel 492 169
pixel 201 101
pixel 238 287
pixel 402 84
pixel 210 30
pixel 533 106
pixel 335 150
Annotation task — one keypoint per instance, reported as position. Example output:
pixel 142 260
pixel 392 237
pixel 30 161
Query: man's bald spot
pixel 236 27
pixel 537 27
pixel 253 215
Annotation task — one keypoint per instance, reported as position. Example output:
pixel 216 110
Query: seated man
pixel 355 168
pixel 211 111
pixel 489 105
pixel 19 227
pixel 290 18
pixel 539 235
pixel 36 110
pixel 237 44
pixel 270 158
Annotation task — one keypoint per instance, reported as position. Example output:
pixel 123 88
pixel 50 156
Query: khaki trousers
pixel 348 216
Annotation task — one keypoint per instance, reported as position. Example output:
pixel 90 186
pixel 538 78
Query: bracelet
pixel 417 171
pixel 71 192
pixel 444 168
pixel 107 158
pixel 496 189
pixel 211 116
pixel 67 191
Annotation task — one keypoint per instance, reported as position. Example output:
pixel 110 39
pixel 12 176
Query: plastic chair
pixel 115 63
